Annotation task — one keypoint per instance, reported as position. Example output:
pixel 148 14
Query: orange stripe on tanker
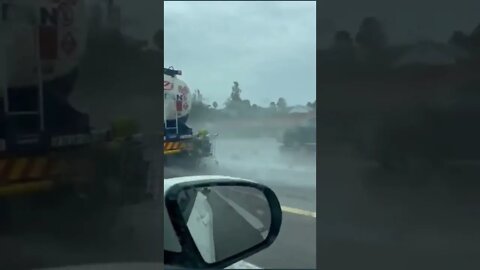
pixel 20 169
pixel 172 145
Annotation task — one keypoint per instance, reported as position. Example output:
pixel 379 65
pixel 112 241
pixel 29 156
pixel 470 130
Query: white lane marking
pixel 243 265
pixel 297 211
pixel 255 222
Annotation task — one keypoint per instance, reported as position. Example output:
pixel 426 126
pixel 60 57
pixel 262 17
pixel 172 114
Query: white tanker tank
pixel 47 36
pixel 180 144
pixel 50 33
pixel 177 98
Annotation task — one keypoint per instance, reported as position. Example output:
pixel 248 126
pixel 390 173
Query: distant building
pixel 299 110
pixel 297 114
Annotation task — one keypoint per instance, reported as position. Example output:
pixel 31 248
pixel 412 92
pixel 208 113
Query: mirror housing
pixel 190 255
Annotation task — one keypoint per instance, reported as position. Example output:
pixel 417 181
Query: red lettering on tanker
pixel 183 98
pixel 167 85
pixel 183 90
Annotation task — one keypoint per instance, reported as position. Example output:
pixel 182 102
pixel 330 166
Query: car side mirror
pixel 220 221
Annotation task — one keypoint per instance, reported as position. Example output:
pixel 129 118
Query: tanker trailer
pixel 49 154
pixel 181 146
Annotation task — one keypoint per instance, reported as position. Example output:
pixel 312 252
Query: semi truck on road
pixel 181 147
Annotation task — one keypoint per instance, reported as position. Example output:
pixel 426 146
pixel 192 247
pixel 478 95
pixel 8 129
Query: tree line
pixel 237 107
pixel 369 50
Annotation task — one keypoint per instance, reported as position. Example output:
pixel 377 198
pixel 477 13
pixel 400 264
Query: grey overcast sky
pixel 268 47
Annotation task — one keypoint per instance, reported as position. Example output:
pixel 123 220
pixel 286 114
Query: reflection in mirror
pixel 225 220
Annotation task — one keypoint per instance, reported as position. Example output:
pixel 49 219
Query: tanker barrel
pixel 177 103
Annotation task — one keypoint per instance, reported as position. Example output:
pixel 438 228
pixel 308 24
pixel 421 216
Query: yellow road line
pixel 300 212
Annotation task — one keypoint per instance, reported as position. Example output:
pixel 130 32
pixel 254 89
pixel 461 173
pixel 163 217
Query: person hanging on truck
pixel 203 143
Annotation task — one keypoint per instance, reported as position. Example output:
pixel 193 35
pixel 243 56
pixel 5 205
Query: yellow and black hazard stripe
pixel 20 169
pixel 19 175
pixel 172 147
pixel 30 174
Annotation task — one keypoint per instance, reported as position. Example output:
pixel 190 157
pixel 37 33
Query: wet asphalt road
pixel 366 217
pixel 291 175
pixel 136 234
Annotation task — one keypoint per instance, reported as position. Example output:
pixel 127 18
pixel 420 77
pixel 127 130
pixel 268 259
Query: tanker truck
pixel 49 154
pixel 180 145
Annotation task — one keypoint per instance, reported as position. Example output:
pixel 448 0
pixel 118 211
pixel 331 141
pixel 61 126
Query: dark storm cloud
pixel 268 47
